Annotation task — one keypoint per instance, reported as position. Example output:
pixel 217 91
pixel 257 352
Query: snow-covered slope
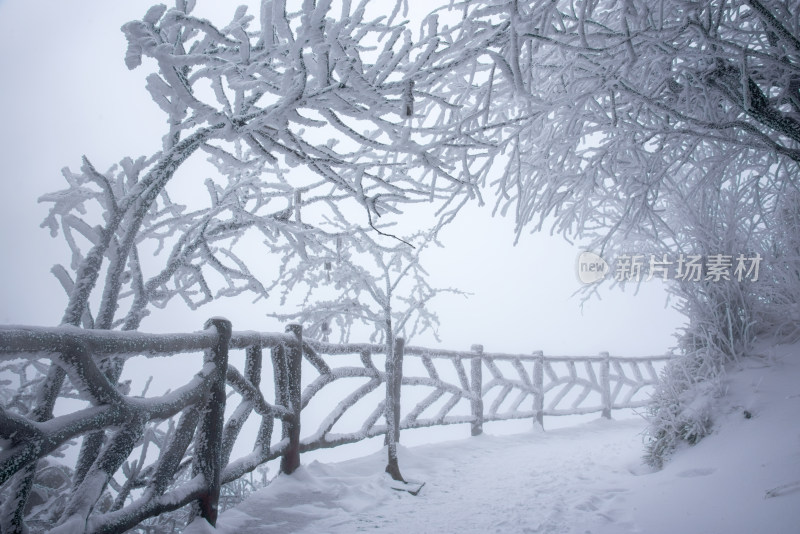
pixel 744 478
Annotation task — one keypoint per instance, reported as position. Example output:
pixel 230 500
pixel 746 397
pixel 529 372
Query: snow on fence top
pixel 336 390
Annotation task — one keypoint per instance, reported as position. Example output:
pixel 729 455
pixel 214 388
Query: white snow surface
pixel 744 478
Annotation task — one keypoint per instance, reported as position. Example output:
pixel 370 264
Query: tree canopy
pixel 667 126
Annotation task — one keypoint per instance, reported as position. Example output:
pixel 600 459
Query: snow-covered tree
pixel 345 278
pixel 291 112
pixel 304 105
pixel 348 278
pixel 607 101
pixel 657 127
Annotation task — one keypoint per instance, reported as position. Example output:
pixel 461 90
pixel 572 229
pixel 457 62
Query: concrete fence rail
pixel 410 387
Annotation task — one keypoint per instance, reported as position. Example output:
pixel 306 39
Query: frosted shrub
pixel 721 330
pixel 778 289
pixel 726 317
pixel 682 407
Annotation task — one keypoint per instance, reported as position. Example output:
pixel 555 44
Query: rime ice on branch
pixel 256 96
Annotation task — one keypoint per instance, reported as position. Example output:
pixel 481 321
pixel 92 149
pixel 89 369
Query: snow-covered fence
pixel 200 405
pixel 318 384
pixel 558 385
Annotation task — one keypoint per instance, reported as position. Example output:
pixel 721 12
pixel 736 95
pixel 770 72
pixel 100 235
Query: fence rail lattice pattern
pixel 121 482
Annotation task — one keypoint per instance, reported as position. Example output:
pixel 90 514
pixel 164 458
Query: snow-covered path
pixel 530 482
pixel 582 479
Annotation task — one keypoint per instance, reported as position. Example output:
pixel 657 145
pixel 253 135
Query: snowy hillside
pixel 743 479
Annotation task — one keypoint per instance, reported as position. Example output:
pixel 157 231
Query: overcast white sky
pixel 66 92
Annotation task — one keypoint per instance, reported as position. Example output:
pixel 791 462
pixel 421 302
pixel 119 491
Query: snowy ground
pixel 745 478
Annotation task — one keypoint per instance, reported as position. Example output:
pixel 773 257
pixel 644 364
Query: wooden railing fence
pixel 435 385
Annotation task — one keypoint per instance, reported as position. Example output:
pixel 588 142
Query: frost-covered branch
pixel 349 278
pixel 299 108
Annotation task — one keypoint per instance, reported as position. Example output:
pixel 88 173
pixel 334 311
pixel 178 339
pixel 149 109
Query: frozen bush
pixel 682 407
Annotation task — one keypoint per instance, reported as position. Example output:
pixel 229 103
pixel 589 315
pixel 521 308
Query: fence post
pixel 476 385
pixel 281 374
pixel 605 384
pixel 394 380
pixel 208 448
pixel 538 385
pixel 281 380
pixel 293 356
